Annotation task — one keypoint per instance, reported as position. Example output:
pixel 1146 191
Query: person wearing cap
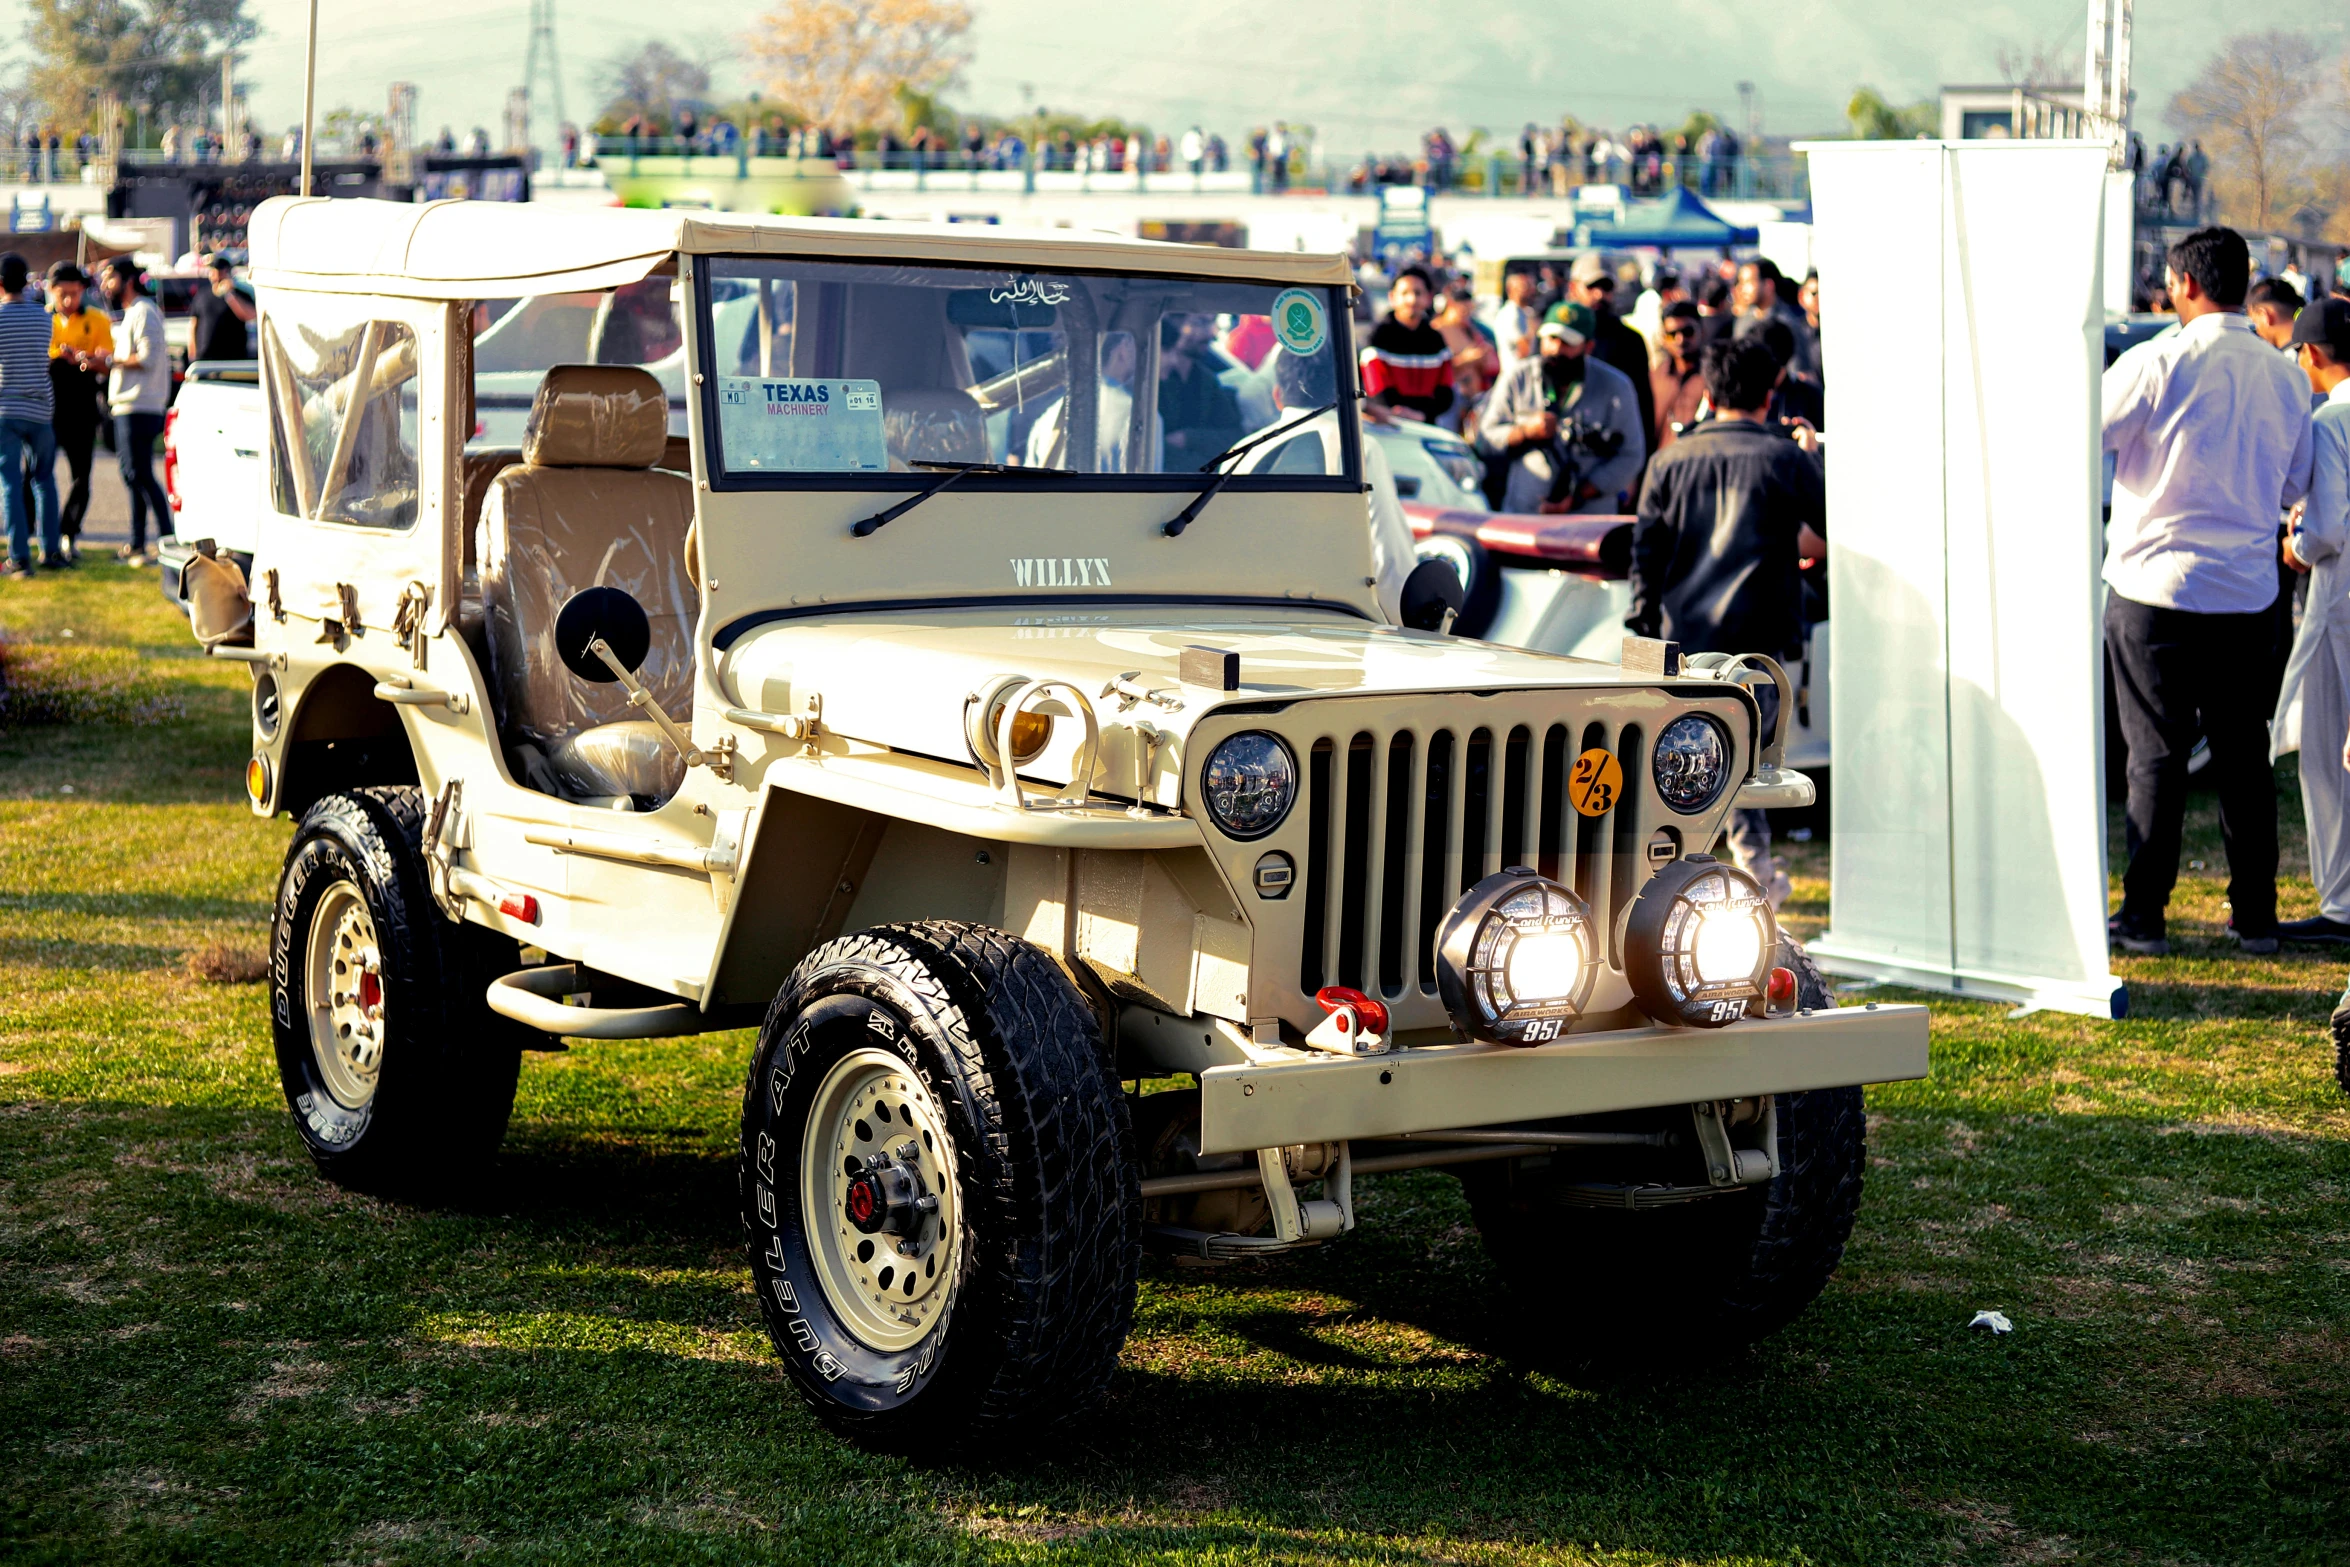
pixel 28 446
pixel 2210 436
pixel 2313 709
pixel 1565 425
pixel 1590 284
pixel 81 343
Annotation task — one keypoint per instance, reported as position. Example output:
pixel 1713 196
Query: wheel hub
pixel 343 974
pixel 877 1189
pixel 889 1196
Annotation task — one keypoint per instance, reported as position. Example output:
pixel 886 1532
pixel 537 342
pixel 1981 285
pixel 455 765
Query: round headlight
pixel 1698 944
pixel 1692 762
pixel 1516 959
pixel 1249 784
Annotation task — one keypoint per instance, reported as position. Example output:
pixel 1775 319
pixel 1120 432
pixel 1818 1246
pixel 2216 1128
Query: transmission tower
pixel 542 58
pixel 2105 90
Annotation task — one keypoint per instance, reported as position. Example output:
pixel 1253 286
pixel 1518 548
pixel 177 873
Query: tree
pixel 2251 103
pixel 653 82
pixel 2040 63
pixel 1873 119
pixel 348 128
pixel 162 53
pixel 843 63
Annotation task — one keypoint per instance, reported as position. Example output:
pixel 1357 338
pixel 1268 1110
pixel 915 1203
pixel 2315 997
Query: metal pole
pixel 309 92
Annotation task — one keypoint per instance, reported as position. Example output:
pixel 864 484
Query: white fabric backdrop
pixel 1964 328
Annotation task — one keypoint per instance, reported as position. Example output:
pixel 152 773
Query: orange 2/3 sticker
pixel 1596 783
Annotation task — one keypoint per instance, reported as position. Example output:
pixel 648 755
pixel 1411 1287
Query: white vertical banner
pixel 1967 809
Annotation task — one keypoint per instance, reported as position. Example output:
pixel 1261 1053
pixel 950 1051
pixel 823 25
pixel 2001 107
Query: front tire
pixel 1699 1278
pixel 939 1188
pixel 399 1075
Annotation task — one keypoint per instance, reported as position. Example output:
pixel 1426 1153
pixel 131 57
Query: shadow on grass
pixel 1363 1401
pixel 141 905
pixel 112 957
pixel 2155 1001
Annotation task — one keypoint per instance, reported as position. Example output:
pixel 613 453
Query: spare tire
pixel 1480 580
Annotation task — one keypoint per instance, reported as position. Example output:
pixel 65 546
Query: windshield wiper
pixel 1199 503
pixel 956 472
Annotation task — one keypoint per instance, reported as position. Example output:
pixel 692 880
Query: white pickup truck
pixel 212 442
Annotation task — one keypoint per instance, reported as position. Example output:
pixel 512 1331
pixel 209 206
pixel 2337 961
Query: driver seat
pixel 585 508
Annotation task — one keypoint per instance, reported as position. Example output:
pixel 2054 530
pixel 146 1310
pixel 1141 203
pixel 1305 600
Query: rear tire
pixel 964 1058
pixel 1703 1277
pixel 399 1075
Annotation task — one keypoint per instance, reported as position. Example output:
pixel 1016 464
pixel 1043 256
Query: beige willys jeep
pixel 929 646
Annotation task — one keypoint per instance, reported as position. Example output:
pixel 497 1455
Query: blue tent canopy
pixel 1680 219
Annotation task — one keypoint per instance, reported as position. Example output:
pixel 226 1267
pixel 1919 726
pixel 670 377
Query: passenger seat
pixel 585 508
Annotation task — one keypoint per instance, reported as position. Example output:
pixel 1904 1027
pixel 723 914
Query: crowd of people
pixel 2172 183
pixel 1195 151
pixel 1554 160
pixel 74 373
pixel 2230 439
pixel 1629 378
pixel 1699 409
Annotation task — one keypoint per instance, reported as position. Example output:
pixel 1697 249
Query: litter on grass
pixel 1996 1321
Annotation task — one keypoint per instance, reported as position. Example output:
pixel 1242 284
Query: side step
pixel 534 997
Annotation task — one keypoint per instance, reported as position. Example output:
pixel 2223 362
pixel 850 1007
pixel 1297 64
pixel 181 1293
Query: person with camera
pixel 1727 516
pixel 1566 425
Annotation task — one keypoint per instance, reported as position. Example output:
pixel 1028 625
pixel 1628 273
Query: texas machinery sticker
pixel 801 426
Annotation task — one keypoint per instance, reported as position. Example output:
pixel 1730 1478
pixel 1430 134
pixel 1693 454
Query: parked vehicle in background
pixel 1560 585
pixel 213 436
pixel 1432 466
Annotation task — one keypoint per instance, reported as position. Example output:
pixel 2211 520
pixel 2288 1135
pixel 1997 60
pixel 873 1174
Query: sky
pixel 1368 74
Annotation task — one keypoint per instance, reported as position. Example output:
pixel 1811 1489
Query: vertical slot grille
pixel 1401 823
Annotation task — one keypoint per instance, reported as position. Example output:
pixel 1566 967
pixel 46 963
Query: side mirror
pixel 1432 596
pixel 609 614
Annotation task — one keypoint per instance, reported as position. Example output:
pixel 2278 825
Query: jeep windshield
pixel 834 375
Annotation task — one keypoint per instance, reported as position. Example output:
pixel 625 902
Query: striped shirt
pixel 24 362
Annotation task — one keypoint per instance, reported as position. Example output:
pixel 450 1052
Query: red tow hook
pixel 1339 1000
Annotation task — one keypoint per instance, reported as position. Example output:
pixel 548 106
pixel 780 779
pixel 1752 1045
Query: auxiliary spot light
pixel 1516 959
pixel 1700 943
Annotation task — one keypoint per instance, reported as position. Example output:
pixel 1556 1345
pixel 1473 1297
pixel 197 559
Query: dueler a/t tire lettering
pixel 448 1064
pixel 1008 1059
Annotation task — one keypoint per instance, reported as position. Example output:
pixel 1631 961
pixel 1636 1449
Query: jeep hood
pixel 903 678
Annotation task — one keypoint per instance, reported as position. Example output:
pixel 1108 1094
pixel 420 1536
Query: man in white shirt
pixel 138 389
pixel 2313 711
pixel 2209 427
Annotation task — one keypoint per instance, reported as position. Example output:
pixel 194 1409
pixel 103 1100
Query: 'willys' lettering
pixel 1061 571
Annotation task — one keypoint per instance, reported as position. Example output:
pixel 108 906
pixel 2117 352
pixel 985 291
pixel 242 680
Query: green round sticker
pixel 1299 322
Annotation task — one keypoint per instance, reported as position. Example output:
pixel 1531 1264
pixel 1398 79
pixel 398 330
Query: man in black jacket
pixel 1728 513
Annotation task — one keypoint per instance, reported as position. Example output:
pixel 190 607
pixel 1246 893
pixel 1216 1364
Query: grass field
pixel 209 1355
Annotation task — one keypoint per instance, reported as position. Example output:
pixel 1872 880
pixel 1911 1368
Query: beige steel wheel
pixel 399 1076
pixel 344 972
pixel 877 1186
pixel 938 1189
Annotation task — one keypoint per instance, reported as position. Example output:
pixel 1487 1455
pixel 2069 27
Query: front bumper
pixel 1438 1088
